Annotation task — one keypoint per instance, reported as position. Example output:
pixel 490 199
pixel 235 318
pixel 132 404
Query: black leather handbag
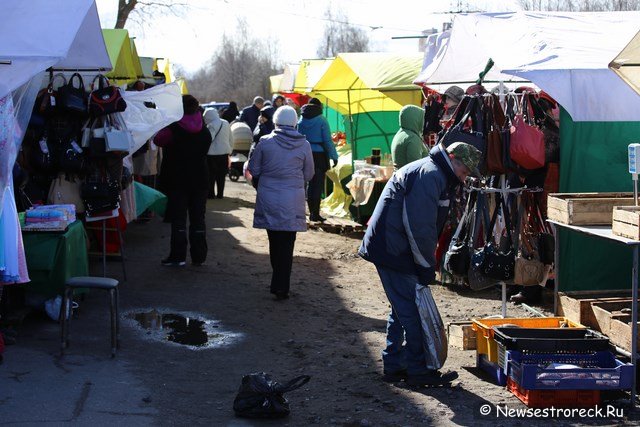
pixel 458 257
pixel 100 195
pixel 105 99
pixel 474 136
pixel 71 98
pixel 495 263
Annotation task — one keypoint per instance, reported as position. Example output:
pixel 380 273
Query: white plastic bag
pixel 433 332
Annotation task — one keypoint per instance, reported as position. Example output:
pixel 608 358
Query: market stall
pixel 598 120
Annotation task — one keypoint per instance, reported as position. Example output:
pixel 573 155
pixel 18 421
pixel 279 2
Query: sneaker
pixel 317 218
pixel 394 377
pixel 434 378
pixel 172 263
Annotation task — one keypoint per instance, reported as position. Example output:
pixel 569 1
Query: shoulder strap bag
pixel 105 99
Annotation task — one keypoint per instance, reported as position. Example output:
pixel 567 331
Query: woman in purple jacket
pixel 282 164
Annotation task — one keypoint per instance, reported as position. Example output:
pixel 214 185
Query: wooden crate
pixel 614 319
pixel 585 208
pixel 462 335
pixel 626 222
pixel 576 305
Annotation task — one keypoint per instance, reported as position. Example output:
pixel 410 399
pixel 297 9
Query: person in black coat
pixel 231 112
pixel 184 178
pixel 251 113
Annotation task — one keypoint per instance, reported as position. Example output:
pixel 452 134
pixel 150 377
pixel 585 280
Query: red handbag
pixel 527 141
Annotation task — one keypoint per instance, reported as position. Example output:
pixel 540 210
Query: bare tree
pixel 238 70
pixel 143 9
pixel 581 5
pixel 341 36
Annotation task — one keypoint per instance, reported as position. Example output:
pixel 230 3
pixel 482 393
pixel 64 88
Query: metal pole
pixel 504 300
pixel 634 323
pixel 556 267
pixel 104 248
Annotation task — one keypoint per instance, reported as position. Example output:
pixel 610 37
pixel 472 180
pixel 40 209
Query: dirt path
pixel 332 328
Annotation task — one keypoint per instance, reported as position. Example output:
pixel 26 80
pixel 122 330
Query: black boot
pixel 314 210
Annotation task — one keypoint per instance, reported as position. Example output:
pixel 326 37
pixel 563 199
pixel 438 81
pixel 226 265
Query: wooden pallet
pixel 336 225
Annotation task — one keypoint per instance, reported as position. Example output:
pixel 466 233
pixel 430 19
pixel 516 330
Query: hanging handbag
pixel 42 158
pixel 100 194
pixel 495 263
pixel 46 99
pixel 116 137
pixel 495 147
pixel 478 281
pixel 529 270
pixel 106 99
pixel 72 158
pixel 527 147
pixel 458 256
pixel 475 135
pixel 65 191
pixel 71 98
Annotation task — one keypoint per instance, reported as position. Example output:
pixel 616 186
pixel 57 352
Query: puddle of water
pixel 184 329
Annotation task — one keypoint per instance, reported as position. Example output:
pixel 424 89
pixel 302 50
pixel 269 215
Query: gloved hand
pixel 426 276
pixel 335 162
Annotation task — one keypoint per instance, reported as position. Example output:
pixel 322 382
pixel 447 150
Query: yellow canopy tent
pixel 124 58
pixel 309 72
pixel 370 89
pixel 366 82
pixel 182 82
pixel 627 63
pixel 164 66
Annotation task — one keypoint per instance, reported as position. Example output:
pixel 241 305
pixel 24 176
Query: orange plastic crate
pixel 555 398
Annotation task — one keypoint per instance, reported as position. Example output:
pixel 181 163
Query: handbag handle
pixel 102 82
pixel 53 79
pixel 505 213
pixel 81 85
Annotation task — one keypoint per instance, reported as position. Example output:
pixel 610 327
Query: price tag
pixel 43 146
pixel 52 100
pixel 76 147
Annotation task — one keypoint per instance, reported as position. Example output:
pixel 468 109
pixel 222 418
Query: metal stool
pixel 104 283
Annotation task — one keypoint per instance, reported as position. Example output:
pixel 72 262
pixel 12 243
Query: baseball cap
pixel 467 154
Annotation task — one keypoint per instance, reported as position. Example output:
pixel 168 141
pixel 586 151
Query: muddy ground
pixel 332 328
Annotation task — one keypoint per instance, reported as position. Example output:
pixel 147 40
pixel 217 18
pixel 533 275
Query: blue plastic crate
pixel 599 371
pixel 496 373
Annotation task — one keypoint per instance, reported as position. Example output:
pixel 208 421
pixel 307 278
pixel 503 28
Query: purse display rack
pixel 519 252
pixel 76 136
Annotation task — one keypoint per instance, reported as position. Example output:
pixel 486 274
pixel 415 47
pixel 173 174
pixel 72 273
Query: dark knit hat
pixel 315 101
pixel 190 104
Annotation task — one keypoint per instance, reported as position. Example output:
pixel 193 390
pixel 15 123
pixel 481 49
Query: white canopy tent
pixel 38 34
pixel 627 63
pixel 565 54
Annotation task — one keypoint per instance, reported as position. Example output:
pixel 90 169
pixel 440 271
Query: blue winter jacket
pixel 405 225
pixel 314 126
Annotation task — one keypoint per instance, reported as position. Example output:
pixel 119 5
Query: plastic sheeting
pixel 28 41
pixel 565 54
pixel 433 334
pixel 144 122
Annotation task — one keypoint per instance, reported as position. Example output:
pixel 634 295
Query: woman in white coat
pixel 219 150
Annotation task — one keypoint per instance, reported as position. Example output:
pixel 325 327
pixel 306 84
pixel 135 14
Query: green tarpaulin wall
pixel 593 158
pixel 335 119
pixel 372 130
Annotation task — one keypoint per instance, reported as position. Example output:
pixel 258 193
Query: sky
pixel 294 26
